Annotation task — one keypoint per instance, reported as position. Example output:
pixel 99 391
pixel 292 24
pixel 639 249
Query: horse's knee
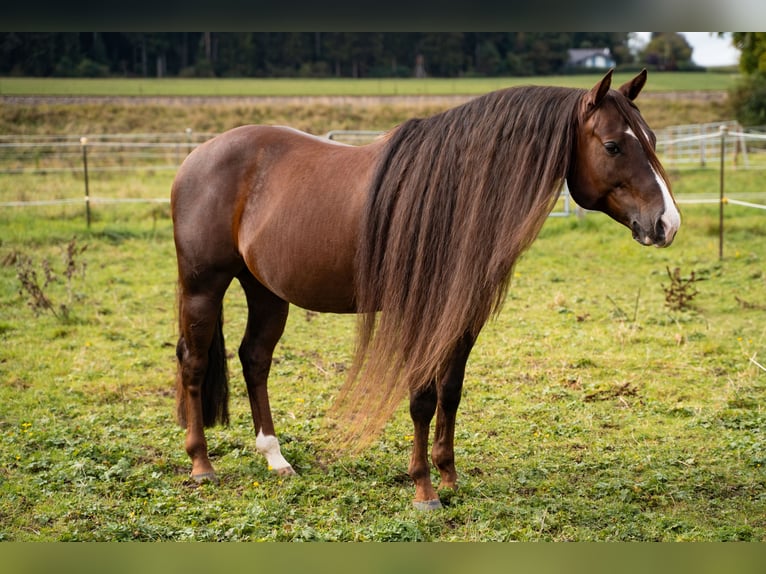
pixel 449 399
pixel 423 404
pixel 256 362
pixel 249 354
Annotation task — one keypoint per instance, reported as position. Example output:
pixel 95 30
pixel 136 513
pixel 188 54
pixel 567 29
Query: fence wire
pixel 41 155
pixel 679 147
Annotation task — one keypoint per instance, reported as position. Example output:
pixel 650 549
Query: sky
pixel 708 48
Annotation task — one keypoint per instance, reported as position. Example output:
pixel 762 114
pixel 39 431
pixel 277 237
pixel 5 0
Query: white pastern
pixel 268 446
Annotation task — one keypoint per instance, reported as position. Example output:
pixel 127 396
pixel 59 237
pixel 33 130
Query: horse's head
pixel 615 169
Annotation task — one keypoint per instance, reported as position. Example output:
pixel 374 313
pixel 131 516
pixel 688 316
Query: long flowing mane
pixel 456 198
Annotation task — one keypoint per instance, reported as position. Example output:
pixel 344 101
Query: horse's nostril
pixel 659 231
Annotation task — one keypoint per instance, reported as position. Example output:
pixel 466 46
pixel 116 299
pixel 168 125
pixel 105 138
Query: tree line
pixel 319 54
pixel 749 97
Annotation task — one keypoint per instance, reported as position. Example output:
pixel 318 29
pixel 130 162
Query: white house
pixel 591 58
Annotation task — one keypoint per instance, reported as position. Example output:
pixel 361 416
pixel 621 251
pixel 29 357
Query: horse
pixel 416 232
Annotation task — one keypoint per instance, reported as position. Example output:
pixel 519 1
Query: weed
pixel 72 267
pixel 38 299
pixel 681 291
pixel 27 275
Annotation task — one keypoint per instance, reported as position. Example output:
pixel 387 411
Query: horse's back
pixel 282 202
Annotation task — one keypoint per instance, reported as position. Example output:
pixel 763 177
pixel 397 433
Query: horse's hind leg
pixel 267 315
pixel 202 385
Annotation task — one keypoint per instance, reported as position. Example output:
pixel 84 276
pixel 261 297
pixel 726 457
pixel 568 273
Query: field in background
pixel 592 411
pixel 663 82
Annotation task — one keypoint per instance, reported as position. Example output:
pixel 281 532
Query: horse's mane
pixel 456 198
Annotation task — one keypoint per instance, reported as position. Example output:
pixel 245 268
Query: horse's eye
pixel 612 148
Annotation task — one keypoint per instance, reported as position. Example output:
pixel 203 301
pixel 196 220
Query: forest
pixel 322 54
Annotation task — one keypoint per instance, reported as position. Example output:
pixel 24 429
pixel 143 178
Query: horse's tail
pixel 215 386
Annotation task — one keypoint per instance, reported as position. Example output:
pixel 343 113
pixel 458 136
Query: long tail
pixel 215 388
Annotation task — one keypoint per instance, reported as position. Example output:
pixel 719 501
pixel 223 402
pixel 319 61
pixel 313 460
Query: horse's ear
pixel 598 91
pixel 632 88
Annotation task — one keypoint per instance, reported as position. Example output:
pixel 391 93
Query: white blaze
pixel 671 218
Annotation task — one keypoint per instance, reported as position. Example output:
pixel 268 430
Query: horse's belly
pixel 316 289
pixel 330 299
pixel 312 272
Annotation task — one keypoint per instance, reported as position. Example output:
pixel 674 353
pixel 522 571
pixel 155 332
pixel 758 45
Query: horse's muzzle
pixel 660 234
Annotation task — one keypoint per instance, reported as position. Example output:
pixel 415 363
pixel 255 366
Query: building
pixel 591 58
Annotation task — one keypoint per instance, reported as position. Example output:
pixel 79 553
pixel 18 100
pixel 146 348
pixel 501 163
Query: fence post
pixel 188 140
pixel 84 145
pixel 724 129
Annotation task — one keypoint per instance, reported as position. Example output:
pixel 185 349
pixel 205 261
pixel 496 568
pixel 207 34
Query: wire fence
pixel 60 170
pixel 700 145
pixel 25 160
pixel 45 154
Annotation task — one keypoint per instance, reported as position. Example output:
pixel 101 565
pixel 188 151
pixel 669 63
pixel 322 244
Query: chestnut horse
pixel 423 225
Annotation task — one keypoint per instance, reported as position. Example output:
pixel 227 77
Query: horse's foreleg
pixel 422 408
pixel 267 315
pixel 449 393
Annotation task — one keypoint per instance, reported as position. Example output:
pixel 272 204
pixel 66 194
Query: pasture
pixel 591 409
pixel 248 87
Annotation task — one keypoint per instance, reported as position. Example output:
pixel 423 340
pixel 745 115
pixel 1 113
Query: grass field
pixel 591 411
pixel 666 81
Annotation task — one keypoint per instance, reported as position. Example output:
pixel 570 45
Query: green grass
pixel 590 412
pixel 246 87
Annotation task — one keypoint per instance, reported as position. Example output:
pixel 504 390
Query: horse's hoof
pixel 205 477
pixel 427 505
